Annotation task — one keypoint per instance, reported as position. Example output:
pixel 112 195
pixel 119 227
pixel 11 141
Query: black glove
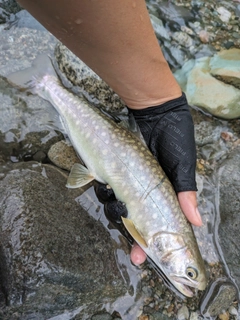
pixel 169 133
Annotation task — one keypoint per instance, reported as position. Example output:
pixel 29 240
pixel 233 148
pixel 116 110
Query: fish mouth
pixel 180 285
pixel 185 287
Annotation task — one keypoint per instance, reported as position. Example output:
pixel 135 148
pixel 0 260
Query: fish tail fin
pixel 30 79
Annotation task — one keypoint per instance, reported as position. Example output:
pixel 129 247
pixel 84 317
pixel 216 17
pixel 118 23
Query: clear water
pixel 22 114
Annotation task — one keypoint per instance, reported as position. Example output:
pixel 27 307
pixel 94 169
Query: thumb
pixel 188 204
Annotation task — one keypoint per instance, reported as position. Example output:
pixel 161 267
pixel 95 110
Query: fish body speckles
pixel 115 156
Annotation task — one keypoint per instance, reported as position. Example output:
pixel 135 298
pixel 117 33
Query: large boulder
pixel 53 255
pixel 211 87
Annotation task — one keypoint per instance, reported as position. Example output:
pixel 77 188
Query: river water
pixel 29 127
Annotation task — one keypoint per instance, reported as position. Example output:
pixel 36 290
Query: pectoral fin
pixel 79 176
pixel 129 225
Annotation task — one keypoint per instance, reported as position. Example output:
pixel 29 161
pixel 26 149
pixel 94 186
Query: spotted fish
pixel 113 155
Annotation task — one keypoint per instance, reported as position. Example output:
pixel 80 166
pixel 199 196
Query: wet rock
pixel 204 36
pixel 218 297
pixel 229 208
pixel 193 316
pixel 225 15
pixel 103 316
pixel 28 124
pixel 233 311
pixel 90 84
pixel 183 38
pixel 159 28
pixel 183 313
pixel 63 155
pixel 205 91
pixel 40 156
pixel 24 19
pixel 49 244
pixel 10 6
pixel 225 66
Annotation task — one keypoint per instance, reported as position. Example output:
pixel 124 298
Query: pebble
pixel 204 36
pixel 224 316
pixel 183 313
pixel 225 15
pixel 63 155
pixel 233 311
pixel 193 316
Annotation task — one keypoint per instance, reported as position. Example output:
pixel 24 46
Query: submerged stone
pixel 54 256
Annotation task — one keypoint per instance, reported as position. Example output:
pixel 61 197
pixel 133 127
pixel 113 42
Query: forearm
pixel 116 39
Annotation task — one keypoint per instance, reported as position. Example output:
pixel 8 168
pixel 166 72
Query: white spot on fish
pixel 103 134
pixel 105 152
pixel 116 144
pixel 154 216
pixel 113 165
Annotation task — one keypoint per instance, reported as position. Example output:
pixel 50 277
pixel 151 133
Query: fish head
pixel 180 261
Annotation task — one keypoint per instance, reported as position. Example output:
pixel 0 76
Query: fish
pixel 112 154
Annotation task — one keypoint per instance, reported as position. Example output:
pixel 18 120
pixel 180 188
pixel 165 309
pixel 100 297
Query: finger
pixel 137 256
pixel 188 204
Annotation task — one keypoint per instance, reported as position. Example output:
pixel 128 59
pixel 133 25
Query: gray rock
pixel 229 208
pixel 103 316
pixel 183 313
pixel 224 14
pixel 183 38
pixel 24 19
pixel 28 124
pixel 63 155
pixel 218 297
pixel 90 84
pixel 54 256
pixel 159 29
pixel 10 6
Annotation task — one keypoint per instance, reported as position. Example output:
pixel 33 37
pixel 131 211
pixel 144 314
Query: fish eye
pixel 192 273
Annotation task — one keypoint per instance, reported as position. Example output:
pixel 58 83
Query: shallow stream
pixel 29 126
